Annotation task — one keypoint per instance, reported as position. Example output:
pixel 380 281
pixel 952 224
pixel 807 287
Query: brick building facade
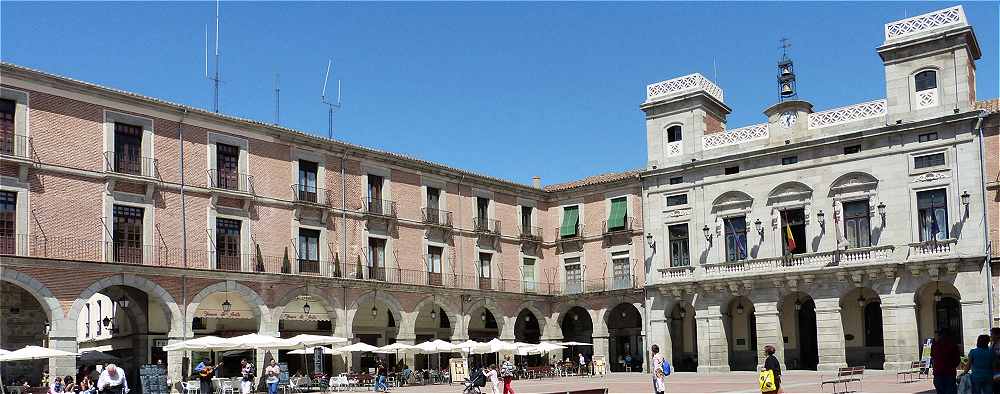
pixel 212 224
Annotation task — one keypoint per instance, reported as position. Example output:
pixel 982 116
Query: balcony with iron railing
pixel 230 181
pixel 379 208
pixel 624 228
pixel 436 217
pixel 120 163
pixel 484 225
pixel 312 195
pixel 574 235
pixel 531 233
pixel 16 147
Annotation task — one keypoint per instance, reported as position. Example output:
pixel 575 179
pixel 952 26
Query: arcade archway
pixel 376 322
pixel 683 337
pixel 741 329
pixel 798 324
pixel 939 308
pixel 26 321
pixel 625 333
pixel 577 326
pixel 861 315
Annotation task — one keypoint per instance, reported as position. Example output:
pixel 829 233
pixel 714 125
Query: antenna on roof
pixel 215 78
pixel 277 99
pixel 333 106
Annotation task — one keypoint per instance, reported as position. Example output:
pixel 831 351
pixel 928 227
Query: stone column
pixel 506 331
pixel 659 335
pixel 713 345
pixel 830 335
pixel 899 331
pixel 769 332
pixel 408 357
pixel 175 365
pixel 267 327
pixel 601 348
pixel 62 336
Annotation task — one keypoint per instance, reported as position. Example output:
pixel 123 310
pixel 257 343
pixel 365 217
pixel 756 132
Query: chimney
pixel 536 182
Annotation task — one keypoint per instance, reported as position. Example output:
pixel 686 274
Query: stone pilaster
pixel 601 347
pixel 507 331
pixel 973 322
pixel 62 336
pixel 659 335
pixel 769 332
pixel 175 365
pixel 713 345
pixel 830 335
pixel 899 331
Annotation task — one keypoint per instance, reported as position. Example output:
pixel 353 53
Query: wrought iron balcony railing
pixel 625 227
pixel 230 180
pixel 124 163
pixel 436 217
pixel 486 225
pixel 531 233
pixel 310 195
pixel 16 145
pixel 384 208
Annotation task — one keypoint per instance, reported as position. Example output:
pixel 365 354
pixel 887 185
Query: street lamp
pixel 708 233
pixel 861 301
pixel 123 302
pixel 820 216
pixel 306 308
pixel 965 198
pixel 649 240
pixel 226 305
pixel 434 314
pixel 881 209
pixel 739 309
pixel 759 226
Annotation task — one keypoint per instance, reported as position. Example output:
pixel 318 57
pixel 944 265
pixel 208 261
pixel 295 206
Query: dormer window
pixel 673 133
pixel 925 80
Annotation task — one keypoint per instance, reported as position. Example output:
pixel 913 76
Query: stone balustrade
pixel 688 83
pixel 932 249
pixel 735 136
pixel 676 274
pixel 954 16
pixel 848 114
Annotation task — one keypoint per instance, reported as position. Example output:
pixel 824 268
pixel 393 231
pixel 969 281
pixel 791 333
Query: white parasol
pixel 315 340
pixel 472 347
pixel 94 356
pixel 310 350
pixel 257 341
pixel 357 347
pixel 35 353
pixel 393 348
pixel 207 342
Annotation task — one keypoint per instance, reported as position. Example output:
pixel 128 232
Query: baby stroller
pixel 475 382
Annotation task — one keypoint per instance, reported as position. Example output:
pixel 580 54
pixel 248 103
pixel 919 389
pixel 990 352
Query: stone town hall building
pixel 843 237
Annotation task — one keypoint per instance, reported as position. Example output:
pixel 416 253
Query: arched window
pixel 674 133
pixel 925 80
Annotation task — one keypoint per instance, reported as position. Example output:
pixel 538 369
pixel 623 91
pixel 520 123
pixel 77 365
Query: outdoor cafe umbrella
pixel 205 343
pixel 472 347
pixel 309 350
pixel 357 347
pixel 3 352
pixel 393 348
pixel 436 346
pixel 314 340
pixel 257 341
pixel 34 353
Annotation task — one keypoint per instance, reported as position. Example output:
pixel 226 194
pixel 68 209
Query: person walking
pixel 995 348
pixel 271 373
pixel 380 375
pixel 507 374
pixel 771 364
pixel 491 374
pixel 945 356
pixel 981 366
pixel 659 386
pixel 248 373
pixel 583 364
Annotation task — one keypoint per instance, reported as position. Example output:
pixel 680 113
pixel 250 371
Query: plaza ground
pixel 689 382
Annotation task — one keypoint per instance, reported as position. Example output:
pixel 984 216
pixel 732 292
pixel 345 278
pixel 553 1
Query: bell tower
pixel 786 74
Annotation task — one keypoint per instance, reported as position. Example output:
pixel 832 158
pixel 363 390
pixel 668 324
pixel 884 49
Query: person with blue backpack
pixel 661 369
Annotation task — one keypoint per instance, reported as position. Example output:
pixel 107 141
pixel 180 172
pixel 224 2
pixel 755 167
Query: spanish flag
pixel 789 238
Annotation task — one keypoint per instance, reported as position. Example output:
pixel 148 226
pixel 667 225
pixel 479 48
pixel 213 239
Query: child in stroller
pixel 475 382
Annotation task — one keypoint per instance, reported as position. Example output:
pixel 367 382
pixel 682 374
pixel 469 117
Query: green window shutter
pixel 571 216
pixel 619 208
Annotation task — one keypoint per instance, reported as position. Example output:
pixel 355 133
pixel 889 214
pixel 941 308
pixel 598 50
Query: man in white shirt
pixel 112 381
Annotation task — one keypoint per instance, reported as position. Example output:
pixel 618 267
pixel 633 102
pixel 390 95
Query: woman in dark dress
pixel 771 363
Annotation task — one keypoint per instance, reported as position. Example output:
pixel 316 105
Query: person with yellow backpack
pixel 770 376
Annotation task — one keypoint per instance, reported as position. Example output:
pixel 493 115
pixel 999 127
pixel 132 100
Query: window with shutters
pixel 434 254
pixel 7 110
pixel 528 274
pixel 376 258
pixel 571 222
pixel 308 189
pixel 128 149
pixel 680 255
pixel 309 250
pixel 857 230
pixel 932 215
pixel 621 272
pixel 227 165
pixel 618 218
pixel 227 243
pixel 8 222
pixel 736 238
pixel 127 234
pixel 574 275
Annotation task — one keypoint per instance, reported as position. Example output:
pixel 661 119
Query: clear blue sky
pixel 507 89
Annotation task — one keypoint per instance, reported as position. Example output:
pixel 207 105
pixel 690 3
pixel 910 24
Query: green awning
pixel 571 217
pixel 619 208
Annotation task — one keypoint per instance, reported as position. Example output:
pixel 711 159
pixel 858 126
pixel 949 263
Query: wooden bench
pixel 844 376
pixel 915 368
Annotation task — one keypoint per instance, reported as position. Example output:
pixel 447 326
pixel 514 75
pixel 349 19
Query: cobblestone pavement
pixel 689 382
